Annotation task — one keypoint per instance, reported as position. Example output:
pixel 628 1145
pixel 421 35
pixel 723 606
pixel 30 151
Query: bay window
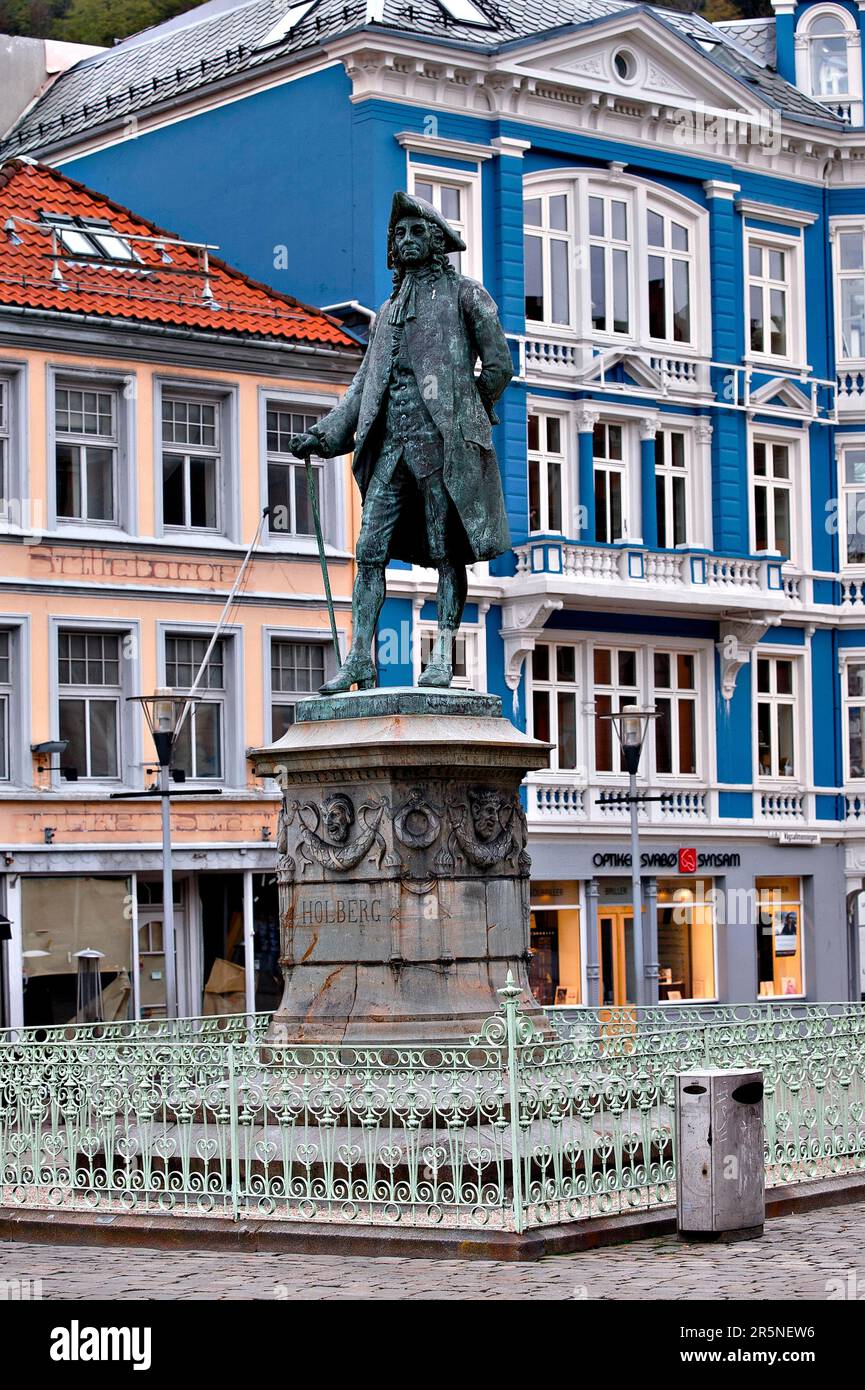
pixel 549 254
pixel 546 467
pixel 616 257
pixel 609 263
pixel 554 701
pixel 669 278
pixel 776 717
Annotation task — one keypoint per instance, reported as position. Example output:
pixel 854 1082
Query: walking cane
pixel 316 521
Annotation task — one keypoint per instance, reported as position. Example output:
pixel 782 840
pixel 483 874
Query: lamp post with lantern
pixel 632 726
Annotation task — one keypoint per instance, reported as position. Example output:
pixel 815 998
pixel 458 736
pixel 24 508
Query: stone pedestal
pixel 403 869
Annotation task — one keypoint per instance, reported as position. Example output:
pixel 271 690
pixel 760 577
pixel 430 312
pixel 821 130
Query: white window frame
pixel 798 488
pixel 292 637
pixel 230 697
pixel 668 475
pixel 332 477
pixel 85 442
pixel 850 656
pixel 643 694
pixel 547 234
pixel 468 181
pixel 205 695
pixel 773 777
pixel 224 395
pixel 838 226
pixel 130 764
pixel 791 245
pixel 552 687
pixel 670 256
pixel 544 458
pixel 8 652
pixel 471 637
pixel 610 245
pixel 124 391
pixel 845 443
pixel 676 695
pixel 87 693
pixel 641 195
pixel 843 103
pixel 185 452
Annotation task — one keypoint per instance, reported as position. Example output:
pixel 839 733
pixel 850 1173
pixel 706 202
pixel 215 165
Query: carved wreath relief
pixel 484 826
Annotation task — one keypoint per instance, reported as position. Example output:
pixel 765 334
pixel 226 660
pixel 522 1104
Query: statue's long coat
pixel 450 332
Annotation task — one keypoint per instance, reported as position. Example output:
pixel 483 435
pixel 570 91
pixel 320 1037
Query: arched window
pixel 830 74
pixel 829 59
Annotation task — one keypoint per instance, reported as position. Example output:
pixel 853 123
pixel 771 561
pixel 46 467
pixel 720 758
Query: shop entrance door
pixel 616 954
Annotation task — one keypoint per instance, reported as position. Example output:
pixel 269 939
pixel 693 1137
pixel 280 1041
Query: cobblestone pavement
pixel 798 1258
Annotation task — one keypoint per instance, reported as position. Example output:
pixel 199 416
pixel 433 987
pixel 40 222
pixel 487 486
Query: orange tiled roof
pixel 151 293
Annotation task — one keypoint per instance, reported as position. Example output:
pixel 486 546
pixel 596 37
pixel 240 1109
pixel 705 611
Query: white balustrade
pixel 782 806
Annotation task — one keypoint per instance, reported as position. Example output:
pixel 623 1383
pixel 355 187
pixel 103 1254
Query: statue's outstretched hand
pixel 302 445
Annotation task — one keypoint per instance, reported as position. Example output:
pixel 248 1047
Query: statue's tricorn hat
pixel 407 205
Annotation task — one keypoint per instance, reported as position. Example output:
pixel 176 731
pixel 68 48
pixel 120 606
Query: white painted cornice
pixel 770 212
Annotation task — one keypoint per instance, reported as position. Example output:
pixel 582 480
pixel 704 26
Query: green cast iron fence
pixel 519 1127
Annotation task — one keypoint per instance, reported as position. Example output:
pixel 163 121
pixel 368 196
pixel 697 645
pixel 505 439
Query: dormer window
pixel 829 60
pixel 829 71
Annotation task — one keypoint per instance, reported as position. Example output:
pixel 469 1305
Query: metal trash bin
pixel 719 1154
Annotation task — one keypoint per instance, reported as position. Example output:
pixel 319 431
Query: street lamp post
pixel 632 725
pixel 164 712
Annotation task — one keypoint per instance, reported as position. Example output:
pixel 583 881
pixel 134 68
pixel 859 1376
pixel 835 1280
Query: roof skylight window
pixel 283 27
pixel 466 13
pixel 89 237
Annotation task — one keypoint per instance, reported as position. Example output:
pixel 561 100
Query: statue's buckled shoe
pixel 439 672
pixel 355 670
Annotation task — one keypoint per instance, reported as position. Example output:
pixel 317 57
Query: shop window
pixel 297 669
pixel 555 964
pixel 686 940
pixel 779 937
pixel 60 917
pixel 554 701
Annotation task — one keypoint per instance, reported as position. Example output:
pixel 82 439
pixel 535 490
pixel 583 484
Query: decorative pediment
pixel 780 391
pixel 637 61
pixel 626 368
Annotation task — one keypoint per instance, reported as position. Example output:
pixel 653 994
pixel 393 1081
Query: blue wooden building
pixel 671 216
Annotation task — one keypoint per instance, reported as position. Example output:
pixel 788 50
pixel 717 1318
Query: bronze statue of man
pixel 419 422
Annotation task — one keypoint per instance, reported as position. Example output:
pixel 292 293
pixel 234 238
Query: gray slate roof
pixel 219 41
pixel 756 36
